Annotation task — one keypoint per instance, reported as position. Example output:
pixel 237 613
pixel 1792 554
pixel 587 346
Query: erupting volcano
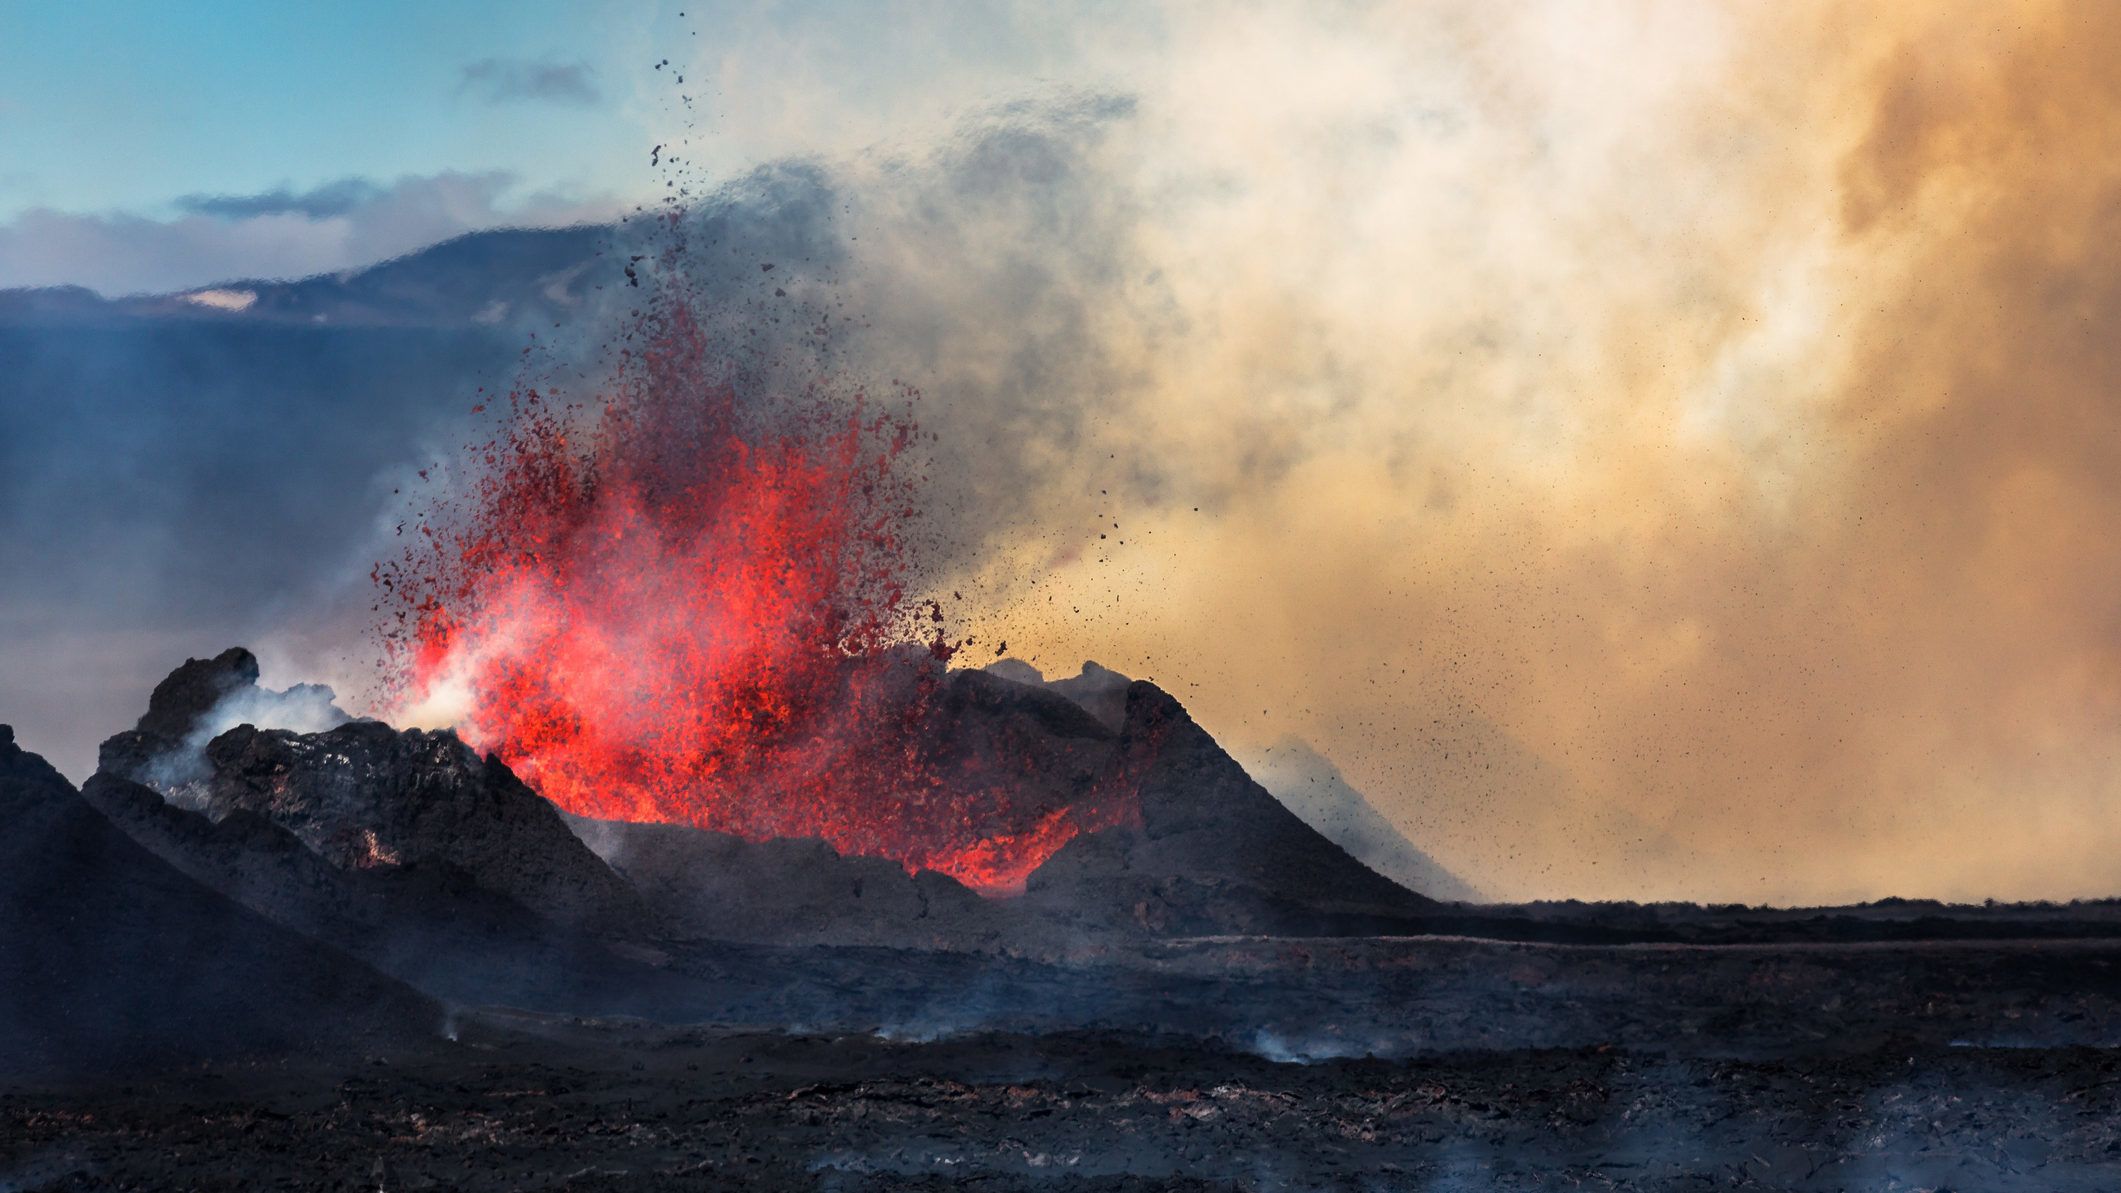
pixel 688 601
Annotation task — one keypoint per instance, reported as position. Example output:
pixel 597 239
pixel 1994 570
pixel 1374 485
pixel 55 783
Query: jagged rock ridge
pixel 410 846
pixel 362 795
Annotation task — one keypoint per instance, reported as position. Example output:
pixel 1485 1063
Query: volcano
pixel 687 601
pixel 361 796
pixel 397 837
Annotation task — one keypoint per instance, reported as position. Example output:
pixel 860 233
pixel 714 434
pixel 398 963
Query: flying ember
pixel 688 601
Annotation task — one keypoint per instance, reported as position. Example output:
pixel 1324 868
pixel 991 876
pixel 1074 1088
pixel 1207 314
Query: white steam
pixel 303 708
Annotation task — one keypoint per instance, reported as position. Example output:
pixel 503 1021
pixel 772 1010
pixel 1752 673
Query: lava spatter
pixel 689 601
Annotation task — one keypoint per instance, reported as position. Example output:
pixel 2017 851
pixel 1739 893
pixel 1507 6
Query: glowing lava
pixel 687 603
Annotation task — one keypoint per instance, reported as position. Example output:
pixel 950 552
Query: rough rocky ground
pixel 1222 1064
pixel 519 1105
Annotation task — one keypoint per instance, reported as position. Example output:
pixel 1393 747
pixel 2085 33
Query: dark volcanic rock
pixel 365 795
pixel 360 796
pixel 1308 784
pixel 243 855
pixel 190 691
pixel 617 1106
pixel 406 849
pixel 427 923
pixel 111 959
pixel 717 886
pixel 1100 690
pixel 166 750
pixel 177 705
pixel 1215 852
pixel 1028 744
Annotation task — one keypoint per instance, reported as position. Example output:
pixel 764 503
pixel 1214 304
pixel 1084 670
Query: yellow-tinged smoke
pixel 1662 450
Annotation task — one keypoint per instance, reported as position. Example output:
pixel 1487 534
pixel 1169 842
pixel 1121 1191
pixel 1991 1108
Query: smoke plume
pixel 1658 450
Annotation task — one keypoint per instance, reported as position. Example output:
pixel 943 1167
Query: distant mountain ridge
pixel 499 277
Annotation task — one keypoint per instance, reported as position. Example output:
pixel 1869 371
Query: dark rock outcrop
pixel 1029 745
pixel 1215 853
pixel 717 886
pixel 428 923
pixel 408 850
pixel 205 697
pixel 357 797
pixel 1308 784
pixel 174 709
pixel 1099 690
pixel 112 960
pixel 365 795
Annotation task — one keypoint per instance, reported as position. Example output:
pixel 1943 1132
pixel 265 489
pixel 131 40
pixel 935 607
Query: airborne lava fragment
pixel 689 601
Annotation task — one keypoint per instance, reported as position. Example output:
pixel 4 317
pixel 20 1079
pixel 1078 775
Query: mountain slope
pixel 1310 785
pixel 1214 852
pixel 112 960
pixel 361 795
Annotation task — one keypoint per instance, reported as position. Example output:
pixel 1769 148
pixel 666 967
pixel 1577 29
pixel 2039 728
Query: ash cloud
pixel 1661 453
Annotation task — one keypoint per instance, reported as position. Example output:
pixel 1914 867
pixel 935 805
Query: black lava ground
pixel 1866 1067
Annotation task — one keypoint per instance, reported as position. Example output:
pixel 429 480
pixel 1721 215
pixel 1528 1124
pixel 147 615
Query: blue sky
pixel 111 106
pixel 350 132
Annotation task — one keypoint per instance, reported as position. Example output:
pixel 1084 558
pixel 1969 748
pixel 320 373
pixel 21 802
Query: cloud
pixel 508 80
pixel 323 202
pixel 278 234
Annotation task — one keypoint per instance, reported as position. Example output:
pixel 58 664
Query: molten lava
pixel 688 603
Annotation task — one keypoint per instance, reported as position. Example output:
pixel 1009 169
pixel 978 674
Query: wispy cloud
pixel 321 202
pixel 508 80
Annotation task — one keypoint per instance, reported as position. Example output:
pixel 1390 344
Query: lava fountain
pixel 689 601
